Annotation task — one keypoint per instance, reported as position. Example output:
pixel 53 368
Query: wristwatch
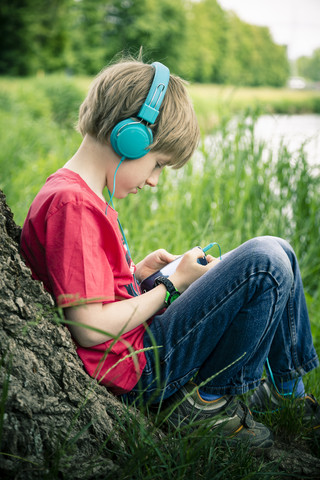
pixel 172 293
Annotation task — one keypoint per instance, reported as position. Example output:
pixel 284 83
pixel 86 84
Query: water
pixel 293 131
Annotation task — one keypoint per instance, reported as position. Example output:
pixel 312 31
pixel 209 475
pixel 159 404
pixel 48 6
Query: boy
pixel 216 324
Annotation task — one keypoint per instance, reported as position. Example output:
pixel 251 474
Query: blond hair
pixel 119 91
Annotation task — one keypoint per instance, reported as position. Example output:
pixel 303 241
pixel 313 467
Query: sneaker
pixel 232 418
pixel 265 399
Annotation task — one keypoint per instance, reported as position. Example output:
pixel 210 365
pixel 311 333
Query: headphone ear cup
pixel 131 139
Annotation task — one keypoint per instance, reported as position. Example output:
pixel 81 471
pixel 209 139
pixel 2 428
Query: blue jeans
pixel 248 308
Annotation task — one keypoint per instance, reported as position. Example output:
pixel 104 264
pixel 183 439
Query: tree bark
pixel 47 397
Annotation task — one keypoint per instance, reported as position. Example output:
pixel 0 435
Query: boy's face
pixel 133 175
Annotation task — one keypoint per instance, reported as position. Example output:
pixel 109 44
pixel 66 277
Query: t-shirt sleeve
pixel 82 250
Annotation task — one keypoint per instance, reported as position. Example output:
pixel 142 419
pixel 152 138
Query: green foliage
pixel 205 42
pixel 64 99
pixel 34 35
pixel 36 135
pixel 14 38
pixel 252 58
pixel 88 48
pixel 309 67
pixel 157 26
pixel 196 39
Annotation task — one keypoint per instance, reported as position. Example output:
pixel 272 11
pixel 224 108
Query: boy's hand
pixel 190 270
pixel 153 262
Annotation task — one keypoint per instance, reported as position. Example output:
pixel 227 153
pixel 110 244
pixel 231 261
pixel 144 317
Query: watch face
pixel 173 297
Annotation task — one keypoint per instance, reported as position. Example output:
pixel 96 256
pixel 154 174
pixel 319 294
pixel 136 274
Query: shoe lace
pixel 239 408
pixel 244 414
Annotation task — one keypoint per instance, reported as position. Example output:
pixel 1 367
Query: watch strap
pixel 172 293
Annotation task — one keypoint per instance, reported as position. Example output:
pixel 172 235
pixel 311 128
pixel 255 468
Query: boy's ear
pixel 131 139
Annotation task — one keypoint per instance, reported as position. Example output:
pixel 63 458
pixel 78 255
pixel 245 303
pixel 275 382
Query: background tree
pixel 252 58
pixel 33 35
pixel 197 40
pixel 16 38
pixel 159 27
pixel 309 67
pixel 205 45
pixel 269 62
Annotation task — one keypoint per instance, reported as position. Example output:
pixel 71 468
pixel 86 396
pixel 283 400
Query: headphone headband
pixel 131 138
pixel 150 109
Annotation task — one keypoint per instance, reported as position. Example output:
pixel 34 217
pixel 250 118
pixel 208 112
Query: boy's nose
pixel 152 181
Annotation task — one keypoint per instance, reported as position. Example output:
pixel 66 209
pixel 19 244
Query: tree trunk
pixel 47 397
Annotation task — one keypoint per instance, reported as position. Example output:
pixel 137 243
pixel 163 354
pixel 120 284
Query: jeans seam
pixel 293 332
pixel 298 371
pixel 244 387
pixel 218 305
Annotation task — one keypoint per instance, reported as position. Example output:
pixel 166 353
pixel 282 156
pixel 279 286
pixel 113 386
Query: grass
pixel 185 455
pixel 231 191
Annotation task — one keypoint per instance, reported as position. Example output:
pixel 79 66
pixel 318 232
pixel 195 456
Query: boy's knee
pixel 272 253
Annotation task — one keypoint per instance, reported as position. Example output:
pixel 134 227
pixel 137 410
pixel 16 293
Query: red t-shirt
pixel 78 252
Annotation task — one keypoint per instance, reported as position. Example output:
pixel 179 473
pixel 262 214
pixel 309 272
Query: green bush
pixel 64 99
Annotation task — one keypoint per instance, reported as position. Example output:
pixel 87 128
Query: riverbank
pixel 213 102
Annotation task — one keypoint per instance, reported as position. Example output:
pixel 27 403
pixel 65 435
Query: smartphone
pixel 148 283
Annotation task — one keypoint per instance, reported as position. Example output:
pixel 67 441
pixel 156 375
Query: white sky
pixel 295 23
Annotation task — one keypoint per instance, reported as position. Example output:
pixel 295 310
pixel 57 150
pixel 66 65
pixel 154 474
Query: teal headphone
pixel 131 138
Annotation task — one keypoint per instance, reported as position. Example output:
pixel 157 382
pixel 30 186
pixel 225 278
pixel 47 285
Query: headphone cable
pixel 111 202
pixel 114 185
